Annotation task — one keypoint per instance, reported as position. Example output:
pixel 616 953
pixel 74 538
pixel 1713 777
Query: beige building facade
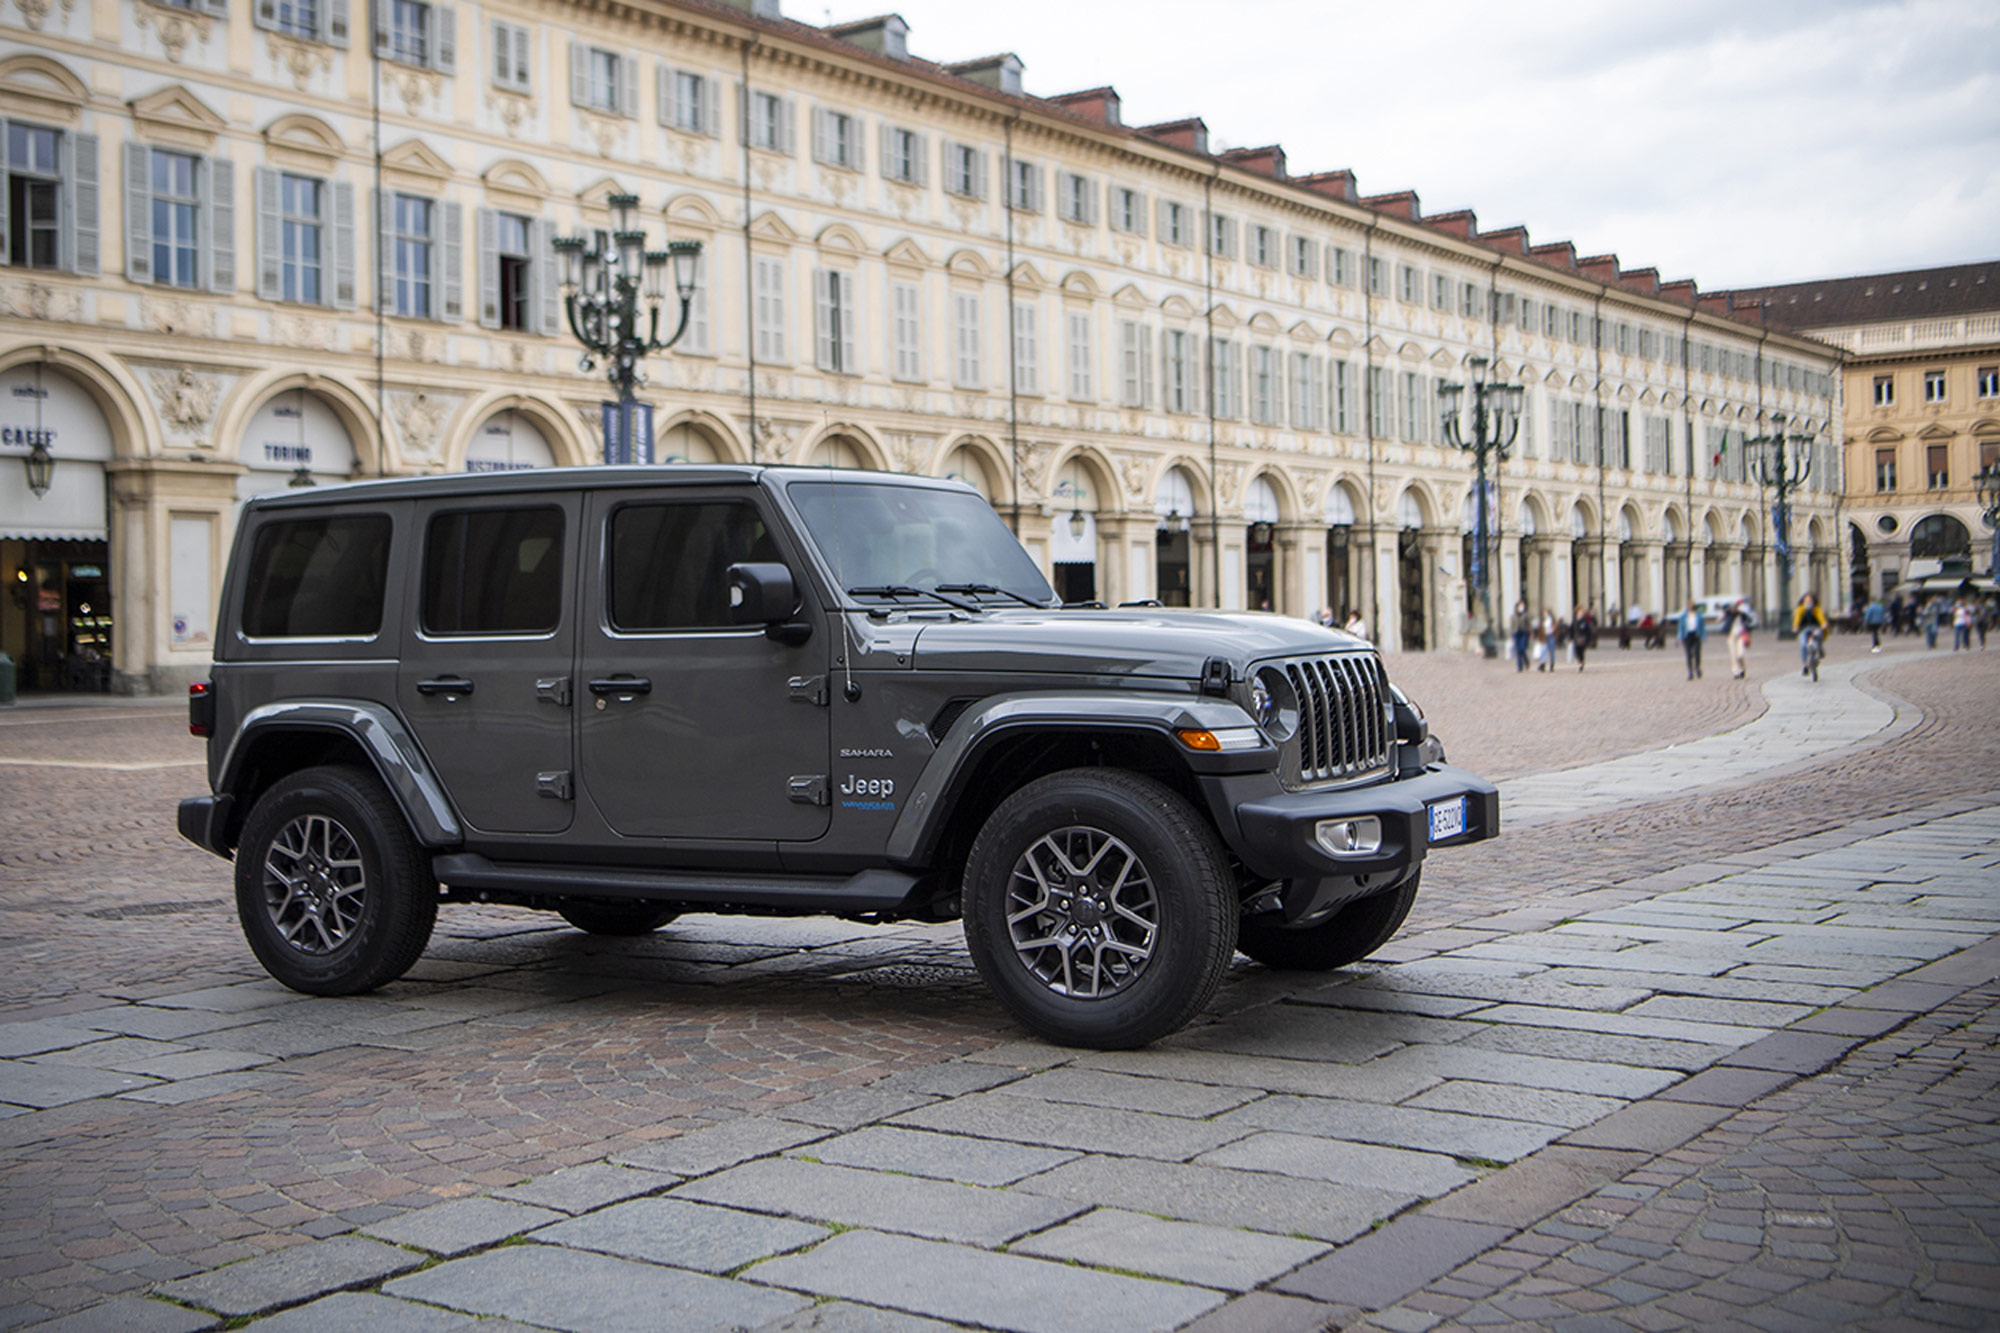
pixel 1922 411
pixel 256 243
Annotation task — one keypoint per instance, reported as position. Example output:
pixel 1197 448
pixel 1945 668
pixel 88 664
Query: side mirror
pixel 764 594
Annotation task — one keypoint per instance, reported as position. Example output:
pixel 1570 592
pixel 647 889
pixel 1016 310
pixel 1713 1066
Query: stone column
pixel 149 653
pixel 1653 562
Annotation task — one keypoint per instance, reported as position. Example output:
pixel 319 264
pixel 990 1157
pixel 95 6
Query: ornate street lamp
pixel 1782 460
pixel 1496 420
pixel 604 277
pixel 41 464
pixel 1989 502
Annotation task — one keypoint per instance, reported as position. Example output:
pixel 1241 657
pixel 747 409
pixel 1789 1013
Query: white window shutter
pixel 628 87
pixel 269 225
pixel 857 144
pixel 383 251
pixel 218 213
pixel 333 23
pixel 138 213
pixel 451 256
pixel 579 74
pixel 265 14
pixel 488 258
pixel 850 323
pixel 920 159
pixel 444 41
pixel 788 126
pixel 823 297
pixel 892 167
pixel 344 294
pixel 822 145
pixel 545 289
pixel 706 97
pixel 76 158
pixel 384 40
pixel 982 174
pixel 663 93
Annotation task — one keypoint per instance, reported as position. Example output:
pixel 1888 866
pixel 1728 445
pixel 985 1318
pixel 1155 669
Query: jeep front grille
pixel 1344 730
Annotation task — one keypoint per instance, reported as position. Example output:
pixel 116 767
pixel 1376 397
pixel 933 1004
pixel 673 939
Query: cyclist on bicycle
pixel 1809 623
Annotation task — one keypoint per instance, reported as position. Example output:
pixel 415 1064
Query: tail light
pixel 201 708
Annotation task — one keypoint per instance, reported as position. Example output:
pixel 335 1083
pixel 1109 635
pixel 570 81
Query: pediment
pixel 693 210
pixel 1411 351
pixel 1444 360
pixel 970 263
pixel 516 177
pixel 301 140
pixel 1027 275
pixel 1225 318
pixel 415 158
pixel 1079 283
pixel 1340 337
pixel 1177 306
pixel 176 116
pixel 1130 295
pixel 42 87
pixel 1885 435
pixel 597 195
pixel 1934 432
pixel 909 254
pixel 840 236
pixel 1265 322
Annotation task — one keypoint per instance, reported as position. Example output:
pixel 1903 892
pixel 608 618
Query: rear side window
pixel 669 563
pixel 493 571
pixel 317 578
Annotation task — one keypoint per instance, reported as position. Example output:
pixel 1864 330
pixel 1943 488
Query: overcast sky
pixel 1736 142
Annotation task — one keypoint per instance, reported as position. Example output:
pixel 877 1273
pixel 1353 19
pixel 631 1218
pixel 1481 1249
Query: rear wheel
pixel 1348 936
pixel 335 895
pixel 1099 909
pixel 614 918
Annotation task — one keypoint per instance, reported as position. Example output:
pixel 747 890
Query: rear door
pixel 691 727
pixel 485 680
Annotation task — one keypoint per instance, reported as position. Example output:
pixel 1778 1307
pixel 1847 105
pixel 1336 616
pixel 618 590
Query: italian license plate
pixel 1447 819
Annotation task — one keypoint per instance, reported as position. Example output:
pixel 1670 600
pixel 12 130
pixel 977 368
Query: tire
pixel 615 918
pixel 1348 936
pixel 1121 968
pixel 334 893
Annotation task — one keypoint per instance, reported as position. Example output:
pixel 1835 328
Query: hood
pixel 1146 642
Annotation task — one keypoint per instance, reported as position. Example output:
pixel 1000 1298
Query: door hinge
pixel 555 786
pixel 809 690
pixel 808 788
pixel 553 689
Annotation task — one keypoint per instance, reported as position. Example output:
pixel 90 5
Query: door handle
pixel 453 685
pixel 622 685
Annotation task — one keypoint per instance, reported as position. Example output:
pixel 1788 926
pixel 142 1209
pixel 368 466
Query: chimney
pixel 1558 254
pixel 1402 204
pixel 1512 240
pixel 1001 73
pixel 1603 268
pixel 1097 104
pixel 1335 184
pixel 1266 161
pixel 1682 291
pixel 1191 134
pixel 885 35
pixel 1715 305
pixel 1463 224
pixel 1645 280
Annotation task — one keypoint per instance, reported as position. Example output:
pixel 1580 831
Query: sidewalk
pixel 1395 1143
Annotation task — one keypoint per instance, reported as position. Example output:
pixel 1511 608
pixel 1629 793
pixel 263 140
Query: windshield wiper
pixel 905 590
pixel 990 590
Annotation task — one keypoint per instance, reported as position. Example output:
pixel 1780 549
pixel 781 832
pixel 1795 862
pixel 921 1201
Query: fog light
pixel 1349 837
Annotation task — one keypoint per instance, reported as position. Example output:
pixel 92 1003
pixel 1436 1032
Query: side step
pixel 874 890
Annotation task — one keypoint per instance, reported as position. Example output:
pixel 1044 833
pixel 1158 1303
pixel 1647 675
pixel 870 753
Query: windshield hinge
pixel 555 786
pixel 808 690
pixel 808 788
pixel 553 689
pixel 1215 675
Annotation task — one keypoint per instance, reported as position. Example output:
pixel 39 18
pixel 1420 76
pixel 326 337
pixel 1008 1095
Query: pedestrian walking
pixel 1961 625
pixel 1355 624
pixel 1546 632
pixel 1524 629
pixel 1736 633
pixel 1809 623
pixel 1692 630
pixel 1875 617
pixel 1582 634
pixel 1929 615
pixel 1325 617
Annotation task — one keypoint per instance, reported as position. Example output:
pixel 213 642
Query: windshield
pixel 908 536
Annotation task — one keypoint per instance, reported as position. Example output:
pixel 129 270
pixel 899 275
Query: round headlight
pixel 1273 703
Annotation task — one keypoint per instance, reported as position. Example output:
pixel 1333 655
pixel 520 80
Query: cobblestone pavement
pixel 810 1124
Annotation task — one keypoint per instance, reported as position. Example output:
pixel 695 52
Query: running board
pixel 873 890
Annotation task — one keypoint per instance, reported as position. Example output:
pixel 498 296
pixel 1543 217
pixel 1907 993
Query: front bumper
pixel 1273 831
pixel 204 821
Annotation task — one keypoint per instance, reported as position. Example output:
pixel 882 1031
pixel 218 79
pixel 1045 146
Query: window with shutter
pixel 1343 398
pixel 965 340
pixel 835 322
pixel 34 212
pixel 1080 389
pixel 768 276
pixel 510 57
pixel 906 298
pixel 1027 364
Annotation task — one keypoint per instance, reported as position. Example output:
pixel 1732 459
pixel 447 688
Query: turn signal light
pixel 1196 739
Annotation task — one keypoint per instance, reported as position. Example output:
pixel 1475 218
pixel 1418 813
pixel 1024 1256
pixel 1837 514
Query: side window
pixel 317 578
pixel 668 562
pixel 493 571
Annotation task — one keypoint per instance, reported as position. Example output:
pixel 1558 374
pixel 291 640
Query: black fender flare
pixel 393 752
pixel 920 825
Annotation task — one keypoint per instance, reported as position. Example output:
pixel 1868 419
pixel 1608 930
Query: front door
pixel 484 680
pixel 692 727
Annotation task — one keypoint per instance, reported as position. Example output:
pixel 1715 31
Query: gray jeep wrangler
pixel 620 694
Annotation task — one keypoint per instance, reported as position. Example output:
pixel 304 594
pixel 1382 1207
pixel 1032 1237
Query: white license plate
pixel 1447 819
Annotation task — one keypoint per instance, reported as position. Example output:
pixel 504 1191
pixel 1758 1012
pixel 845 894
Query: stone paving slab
pixel 1208 1256
pixel 1223 1196
pixel 578 1189
pixel 582 1292
pixel 130 1314
pixel 33 1084
pixel 1380 1080
pixel 1597 1047
pixel 996 1291
pixel 349 1311
pixel 1572 1110
pixel 1311 1032
pixel 849 1108
pixel 721 1147
pixel 1393 1262
pixel 1342 1162
pixel 209 1085
pixel 37 1038
pixel 682 1234
pixel 1464 1061
pixel 459 1225
pixel 1487 1137
pixel 969 1161
pixel 289 1276
pixel 997 1115
pixel 934 1209
pixel 1124 1092
pixel 847 1317
pixel 145 1020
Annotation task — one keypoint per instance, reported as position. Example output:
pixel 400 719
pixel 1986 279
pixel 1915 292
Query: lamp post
pixel 605 275
pixel 1988 478
pixel 1496 420
pixel 1782 460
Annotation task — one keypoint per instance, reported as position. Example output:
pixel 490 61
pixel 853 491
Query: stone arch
pixel 134 430
pixel 1581 518
pixel 844 444
pixel 1077 282
pixel 351 405
pixel 1532 515
pixel 840 236
pixel 1632 525
pixel 1097 473
pixel 1346 501
pixel 692 209
pixel 47 86
pixel 557 425
pixel 970 263
pixel 513 176
pixel 907 254
pixel 1283 490
pixel 1197 479
pixel 1178 307
pixel 1416 501
pixel 298 136
pixel 962 452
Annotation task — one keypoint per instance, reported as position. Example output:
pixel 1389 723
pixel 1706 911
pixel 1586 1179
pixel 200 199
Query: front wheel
pixel 1099 908
pixel 335 895
pixel 1348 936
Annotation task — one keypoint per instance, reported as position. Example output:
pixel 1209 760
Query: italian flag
pixel 1721 448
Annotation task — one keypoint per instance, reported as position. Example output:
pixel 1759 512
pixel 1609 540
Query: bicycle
pixel 1812 649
